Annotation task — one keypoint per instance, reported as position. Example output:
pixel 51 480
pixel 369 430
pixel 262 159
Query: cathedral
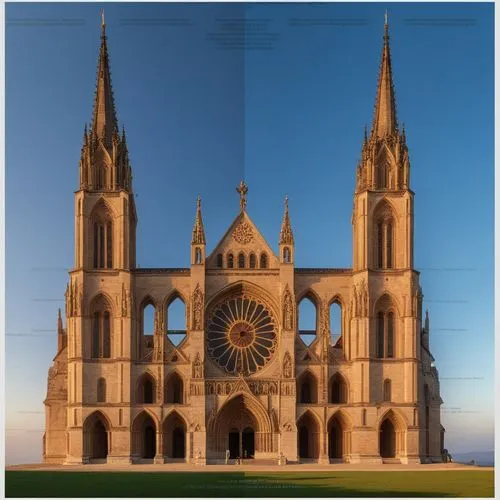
pixel 242 380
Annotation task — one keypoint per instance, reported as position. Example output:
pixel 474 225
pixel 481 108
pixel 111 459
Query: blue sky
pixel 289 120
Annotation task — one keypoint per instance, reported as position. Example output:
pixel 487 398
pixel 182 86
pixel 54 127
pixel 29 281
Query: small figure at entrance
pixel 227 456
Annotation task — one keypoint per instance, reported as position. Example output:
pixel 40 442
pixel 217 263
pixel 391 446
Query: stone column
pixel 159 458
pixel 323 455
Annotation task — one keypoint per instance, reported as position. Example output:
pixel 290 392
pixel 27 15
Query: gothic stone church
pixel 244 380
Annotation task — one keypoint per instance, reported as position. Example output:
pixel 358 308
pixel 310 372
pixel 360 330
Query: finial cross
pixel 242 189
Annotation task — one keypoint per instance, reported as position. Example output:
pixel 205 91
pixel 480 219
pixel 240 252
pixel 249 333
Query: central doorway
pixel 387 439
pixel 241 444
pixel 241 429
pixel 99 441
pixel 335 440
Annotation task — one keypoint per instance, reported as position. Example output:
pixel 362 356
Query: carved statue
pixel 287 366
pixel 197 301
pixel 287 310
pixel 68 301
pixel 124 300
pixel 197 367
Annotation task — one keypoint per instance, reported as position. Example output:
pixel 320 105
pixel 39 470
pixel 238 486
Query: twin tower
pixel 243 378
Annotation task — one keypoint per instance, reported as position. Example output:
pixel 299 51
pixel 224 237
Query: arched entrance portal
pixel 144 436
pixel 303 442
pixel 339 437
pixel 149 441
pixel 178 438
pixel 392 437
pixel 387 439
pixel 95 432
pixel 243 428
pixel 335 439
pixel 308 436
pixel 99 441
pixel 174 436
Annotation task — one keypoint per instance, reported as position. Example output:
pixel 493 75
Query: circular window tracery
pixel 241 335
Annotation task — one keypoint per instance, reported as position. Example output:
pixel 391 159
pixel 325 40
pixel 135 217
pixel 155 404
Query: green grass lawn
pixel 475 483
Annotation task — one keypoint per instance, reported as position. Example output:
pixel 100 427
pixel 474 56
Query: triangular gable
pixel 175 356
pixel 305 354
pixel 243 236
pixel 240 386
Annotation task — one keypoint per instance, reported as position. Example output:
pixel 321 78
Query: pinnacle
pixel 286 233
pixel 198 237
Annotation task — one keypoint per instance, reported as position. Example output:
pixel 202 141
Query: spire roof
pixel 286 233
pixel 198 231
pixel 59 322
pixel 384 118
pixel 104 122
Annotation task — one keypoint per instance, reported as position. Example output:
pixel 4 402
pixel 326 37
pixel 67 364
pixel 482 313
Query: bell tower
pixel 99 299
pixel 386 297
pixel 383 200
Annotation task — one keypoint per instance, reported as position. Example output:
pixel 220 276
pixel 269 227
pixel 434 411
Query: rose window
pixel 241 335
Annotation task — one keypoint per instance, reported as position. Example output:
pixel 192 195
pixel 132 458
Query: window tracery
pixel 241 336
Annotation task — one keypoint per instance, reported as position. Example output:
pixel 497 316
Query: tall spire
pixel 286 233
pixel 384 119
pixel 198 231
pixel 104 122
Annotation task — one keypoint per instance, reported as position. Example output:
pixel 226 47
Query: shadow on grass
pixel 232 484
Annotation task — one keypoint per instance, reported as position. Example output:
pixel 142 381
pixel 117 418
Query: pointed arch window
pixel 197 256
pixel 338 389
pixel 286 255
pixel 101 334
pixel 336 323
pixel 103 244
pixel 388 244
pixel 241 260
pixel 382 175
pixel 390 335
pixel 307 388
pixel 219 260
pixel 263 260
pixel 174 389
pixel 253 261
pixel 230 261
pixel 385 242
pixel 387 390
pixel 147 326
pixel 176 320
pixel 146 389
pixel 380 335
pixel 308 319
pixel 385 334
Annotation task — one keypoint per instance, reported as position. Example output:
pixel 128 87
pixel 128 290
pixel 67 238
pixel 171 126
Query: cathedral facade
pixel 242 382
